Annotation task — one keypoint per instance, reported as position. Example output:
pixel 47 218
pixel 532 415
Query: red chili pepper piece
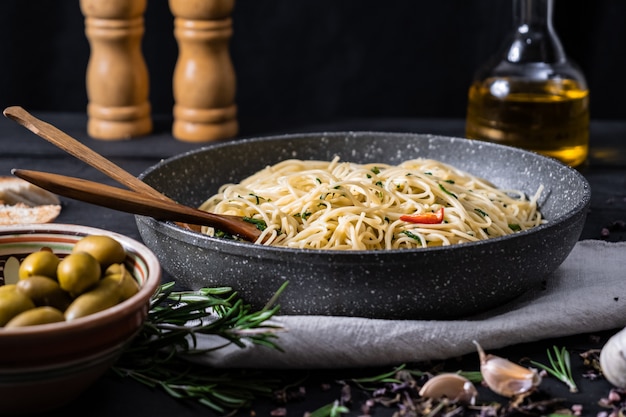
pixel 424 218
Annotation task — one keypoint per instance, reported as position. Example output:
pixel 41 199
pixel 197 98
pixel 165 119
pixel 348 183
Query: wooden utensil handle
pixel 135 203
pixel 75 148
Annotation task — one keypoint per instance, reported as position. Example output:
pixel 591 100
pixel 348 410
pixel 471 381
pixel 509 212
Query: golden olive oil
pixel 550 117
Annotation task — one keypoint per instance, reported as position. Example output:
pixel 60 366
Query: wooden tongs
pixel 141 199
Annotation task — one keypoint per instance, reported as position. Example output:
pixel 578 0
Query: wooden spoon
pixel 77 149
pixel 136 203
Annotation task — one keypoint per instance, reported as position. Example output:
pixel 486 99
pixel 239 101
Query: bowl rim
pixel 174 230
pixel 153 280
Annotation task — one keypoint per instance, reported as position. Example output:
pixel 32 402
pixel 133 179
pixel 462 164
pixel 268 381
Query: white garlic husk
pixel 613 359
pixel 454 387
pixel 505 377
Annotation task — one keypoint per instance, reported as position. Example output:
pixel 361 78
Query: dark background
pixel 303 62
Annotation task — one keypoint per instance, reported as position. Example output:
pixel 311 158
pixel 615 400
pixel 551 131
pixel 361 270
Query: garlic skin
pixel 613 359
pixel 452 386
pixel 505 377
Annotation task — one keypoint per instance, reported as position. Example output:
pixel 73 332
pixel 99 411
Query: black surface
pixel 316 60
pixel 110 396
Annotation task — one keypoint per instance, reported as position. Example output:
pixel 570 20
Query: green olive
pixel 77 272
pixel 12 303
pixel 7 288
pixel 35 316
pixel 44 291
pixel 117 268
pixel 104 295
pixel 104 248
pixel 42 262
pixel 127 284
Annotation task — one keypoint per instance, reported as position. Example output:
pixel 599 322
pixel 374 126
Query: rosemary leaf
pixel 560 367
pixel 330 410
pixel 385 377
pixel 158 356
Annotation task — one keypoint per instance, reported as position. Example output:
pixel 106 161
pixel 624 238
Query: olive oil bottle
pixel 531 95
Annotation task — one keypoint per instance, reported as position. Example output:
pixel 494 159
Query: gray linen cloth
pixel 586 294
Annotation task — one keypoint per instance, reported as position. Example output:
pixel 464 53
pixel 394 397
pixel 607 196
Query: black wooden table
pixel 112 396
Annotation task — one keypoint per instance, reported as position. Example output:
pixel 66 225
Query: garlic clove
pixel 613 359
pixel 452 386
pixel 505 377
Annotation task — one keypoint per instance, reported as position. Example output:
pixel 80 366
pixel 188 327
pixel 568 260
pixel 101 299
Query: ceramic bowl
pixel 46 366
pixel 432 283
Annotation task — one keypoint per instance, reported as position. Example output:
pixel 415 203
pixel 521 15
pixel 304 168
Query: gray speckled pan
pixel 432 283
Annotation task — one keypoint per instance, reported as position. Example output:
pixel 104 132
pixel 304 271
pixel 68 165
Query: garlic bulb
pixel 613 359
pixel 505 377
pixel 454 387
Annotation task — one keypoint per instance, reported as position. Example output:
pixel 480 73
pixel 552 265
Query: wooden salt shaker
pixel 117 77
pixel 204 79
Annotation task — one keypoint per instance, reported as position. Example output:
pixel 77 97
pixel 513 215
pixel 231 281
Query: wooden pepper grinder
pixel 204 78
pixel 117 76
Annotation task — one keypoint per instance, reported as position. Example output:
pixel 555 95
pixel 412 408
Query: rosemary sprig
pixel 560 367
pixel 159 355
pixel 334 409
pixel 384 378
pixel 176 318
pixel 219 390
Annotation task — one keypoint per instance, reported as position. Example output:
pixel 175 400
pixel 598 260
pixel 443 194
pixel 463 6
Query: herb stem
pixel 560 367
pixel 159 355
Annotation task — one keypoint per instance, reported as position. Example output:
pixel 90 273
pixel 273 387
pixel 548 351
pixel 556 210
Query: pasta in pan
pixel 347 206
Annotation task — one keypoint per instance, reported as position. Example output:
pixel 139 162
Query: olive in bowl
pixel 60 359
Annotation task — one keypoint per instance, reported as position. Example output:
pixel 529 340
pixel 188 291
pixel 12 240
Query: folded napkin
pixel 586 294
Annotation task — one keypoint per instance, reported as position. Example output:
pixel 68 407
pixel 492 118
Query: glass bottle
pixel 531 95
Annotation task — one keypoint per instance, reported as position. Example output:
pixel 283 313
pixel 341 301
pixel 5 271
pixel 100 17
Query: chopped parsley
pixel 260 224
pixel 515 227
pixel 481 212
pixel 257 198
pixel 446 191
pixel 304 215
pixel 412 236
pixel 223 235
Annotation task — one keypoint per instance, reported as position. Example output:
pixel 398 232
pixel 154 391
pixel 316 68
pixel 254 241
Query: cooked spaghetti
pixel 347 206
